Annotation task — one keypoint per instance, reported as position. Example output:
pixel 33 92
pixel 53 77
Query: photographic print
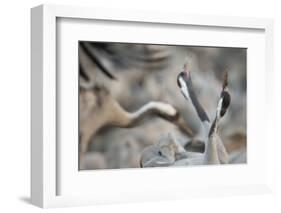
pixel 150 105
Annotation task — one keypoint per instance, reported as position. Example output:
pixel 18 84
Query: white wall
pixel 15 98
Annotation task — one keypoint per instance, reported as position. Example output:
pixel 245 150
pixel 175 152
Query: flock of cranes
pixel 169 152
pixel 99 109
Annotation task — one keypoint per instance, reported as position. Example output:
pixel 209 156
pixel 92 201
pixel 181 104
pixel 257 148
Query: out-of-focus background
pixel 132 75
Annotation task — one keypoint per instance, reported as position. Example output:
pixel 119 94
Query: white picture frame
pixel 46 170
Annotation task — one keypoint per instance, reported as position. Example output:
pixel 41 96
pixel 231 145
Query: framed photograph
pixel 131 106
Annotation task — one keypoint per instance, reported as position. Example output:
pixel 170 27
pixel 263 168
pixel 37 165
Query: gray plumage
pixel 214 152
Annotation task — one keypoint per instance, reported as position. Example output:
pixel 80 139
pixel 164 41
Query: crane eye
pixel 160 153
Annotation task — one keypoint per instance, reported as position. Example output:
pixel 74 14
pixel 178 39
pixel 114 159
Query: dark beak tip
pixel 186 70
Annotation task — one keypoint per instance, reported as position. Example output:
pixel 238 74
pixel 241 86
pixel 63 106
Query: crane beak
pixel 184 81
pixel 186 71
